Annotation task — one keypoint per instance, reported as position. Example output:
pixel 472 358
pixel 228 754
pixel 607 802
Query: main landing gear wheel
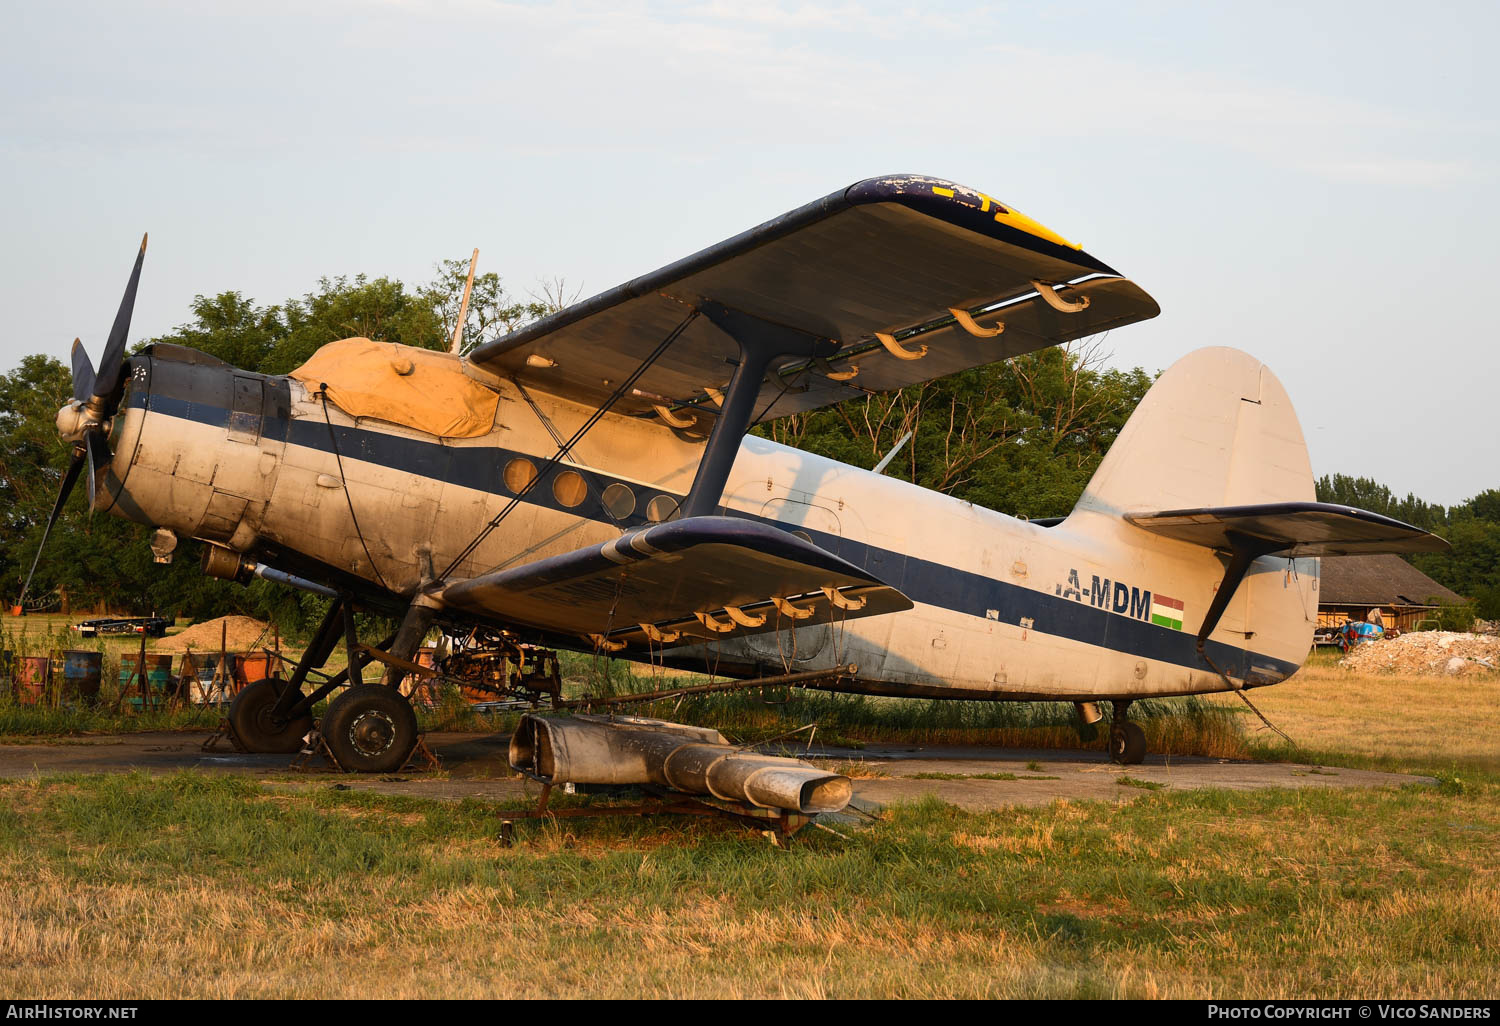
pixel 370 728
pixel 1127 743
pixel 250 716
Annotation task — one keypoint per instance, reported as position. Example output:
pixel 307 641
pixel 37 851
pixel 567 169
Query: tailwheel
pixel 370 729
pixel 1127 743
pixel 250 714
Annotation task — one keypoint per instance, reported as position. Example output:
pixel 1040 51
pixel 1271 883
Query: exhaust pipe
pixel 695 760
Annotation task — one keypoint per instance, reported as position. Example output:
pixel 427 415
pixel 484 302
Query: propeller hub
pixel 73 420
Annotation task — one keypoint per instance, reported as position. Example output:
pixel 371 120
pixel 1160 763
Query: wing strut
pixel 761 344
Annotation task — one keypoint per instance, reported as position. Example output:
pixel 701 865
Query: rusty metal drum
pixel 158 678
pixel 32 675
pixel 83 671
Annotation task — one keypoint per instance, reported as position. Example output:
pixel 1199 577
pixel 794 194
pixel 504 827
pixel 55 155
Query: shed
pixel 1351 586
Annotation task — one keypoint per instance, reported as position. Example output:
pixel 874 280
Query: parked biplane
pixel 587 482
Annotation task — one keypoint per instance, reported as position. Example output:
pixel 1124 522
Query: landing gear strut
pixel 1127 741
pixel 369 728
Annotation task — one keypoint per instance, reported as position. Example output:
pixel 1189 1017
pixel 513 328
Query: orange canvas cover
pixel 417 388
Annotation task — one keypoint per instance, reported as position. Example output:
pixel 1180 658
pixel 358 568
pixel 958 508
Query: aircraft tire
pixel 1127 744
pixel 250 716
pixel 370 729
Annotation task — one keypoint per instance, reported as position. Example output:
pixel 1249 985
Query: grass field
pixel 1385 722
pixel 192 885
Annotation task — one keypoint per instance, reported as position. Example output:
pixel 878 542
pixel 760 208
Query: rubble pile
pixel 239 633
pixel 1426 653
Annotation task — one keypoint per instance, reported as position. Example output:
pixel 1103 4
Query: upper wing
pixel 1292 528
pixel 679 583
pixel 889 255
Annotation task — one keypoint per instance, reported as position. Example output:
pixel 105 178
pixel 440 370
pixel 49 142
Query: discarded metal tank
pixel 698 760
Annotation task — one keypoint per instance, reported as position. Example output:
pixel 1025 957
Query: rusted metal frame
pixel 390 660
pixel 701 689
pixel 761 344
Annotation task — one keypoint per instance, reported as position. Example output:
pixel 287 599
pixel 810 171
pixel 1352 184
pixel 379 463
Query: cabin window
pixel 663 507
pixel 519 473
pixel 569 488
pixel 619 499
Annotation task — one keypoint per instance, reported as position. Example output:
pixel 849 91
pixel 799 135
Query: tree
pixel 492 311
pixel 1471 567
pixel 1022 436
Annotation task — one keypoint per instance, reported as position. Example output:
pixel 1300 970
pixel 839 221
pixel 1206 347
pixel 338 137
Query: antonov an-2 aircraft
pixel 587 482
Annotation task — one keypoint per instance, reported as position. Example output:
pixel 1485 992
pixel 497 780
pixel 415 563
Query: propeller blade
pixel 99 460
pixel 69 479
pixel 83 372
pixel 108 381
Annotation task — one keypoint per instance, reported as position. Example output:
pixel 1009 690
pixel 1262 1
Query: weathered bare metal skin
pixel 696 760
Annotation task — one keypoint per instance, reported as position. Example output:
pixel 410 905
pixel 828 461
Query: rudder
pixel 1216 429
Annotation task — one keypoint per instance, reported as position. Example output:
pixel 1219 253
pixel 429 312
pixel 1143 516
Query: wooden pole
pixel 463 309
pixel 145 680
pixel 222 681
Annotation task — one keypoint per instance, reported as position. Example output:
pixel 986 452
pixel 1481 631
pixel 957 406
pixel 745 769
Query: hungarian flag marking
pixel 1166 612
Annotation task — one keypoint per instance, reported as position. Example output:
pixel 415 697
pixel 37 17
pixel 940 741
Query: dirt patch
pixel 238 634
pixel 1427 652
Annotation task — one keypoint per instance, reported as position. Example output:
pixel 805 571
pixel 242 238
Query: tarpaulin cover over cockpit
pixel 416 388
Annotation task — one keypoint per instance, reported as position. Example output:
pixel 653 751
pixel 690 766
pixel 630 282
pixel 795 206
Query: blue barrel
pixel 83 671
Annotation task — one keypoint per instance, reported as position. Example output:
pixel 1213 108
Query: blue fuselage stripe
pixel 935 584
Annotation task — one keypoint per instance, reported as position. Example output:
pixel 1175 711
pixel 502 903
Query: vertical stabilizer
pixel 1217 429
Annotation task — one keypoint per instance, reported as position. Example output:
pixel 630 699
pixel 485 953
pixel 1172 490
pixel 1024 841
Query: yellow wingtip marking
pixel 1016 219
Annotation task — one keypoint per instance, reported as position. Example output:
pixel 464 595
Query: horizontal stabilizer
pixel 679 583
pixel 1290 528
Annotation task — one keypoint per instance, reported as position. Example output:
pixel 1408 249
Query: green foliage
pixel 1455 617
pixel 278 339
pixel 1363 493
pixel 1023 437
pixel 103 562
pixel 1472 528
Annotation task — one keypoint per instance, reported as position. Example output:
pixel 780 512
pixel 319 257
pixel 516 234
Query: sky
pixel 1313 183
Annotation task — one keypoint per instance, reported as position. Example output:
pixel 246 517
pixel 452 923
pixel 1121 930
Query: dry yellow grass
pixel 1421 721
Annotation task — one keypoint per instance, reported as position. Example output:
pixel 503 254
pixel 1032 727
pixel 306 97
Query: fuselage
pixel 1004 609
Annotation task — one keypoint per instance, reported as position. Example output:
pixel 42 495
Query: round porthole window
pixel 619 499
pixel 569 488
pixel 519 473
pixel 663 507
